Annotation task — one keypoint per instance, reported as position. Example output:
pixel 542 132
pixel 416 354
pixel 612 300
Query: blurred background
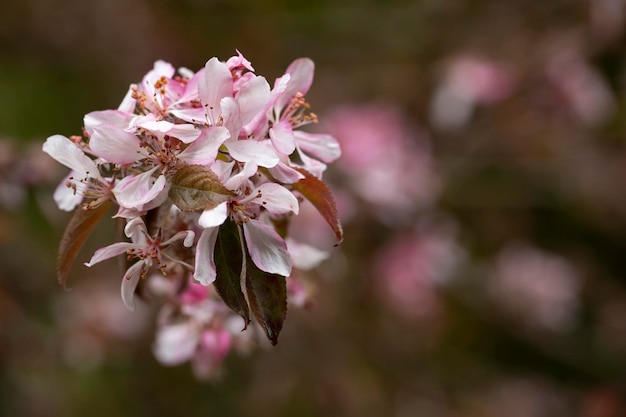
pixel 481 190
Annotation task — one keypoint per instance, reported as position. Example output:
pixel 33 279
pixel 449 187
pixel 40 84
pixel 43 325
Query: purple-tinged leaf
pixel 195 187
pixel 267 295
pixel 228 264
pixel 318 193
pixel 76 233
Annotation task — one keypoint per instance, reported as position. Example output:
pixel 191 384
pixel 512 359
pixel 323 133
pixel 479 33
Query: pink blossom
pixel 386 162
pixel 524 276
pixel 201 331
pixel 408 269
pixel 187 155
pixel 148 249
pixel 469 81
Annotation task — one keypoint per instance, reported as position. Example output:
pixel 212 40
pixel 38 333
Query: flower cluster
pixel 205 170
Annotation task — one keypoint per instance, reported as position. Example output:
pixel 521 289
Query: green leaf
pixel 229 263
pixel 76 233
pixel 267 295
pixel 195 187
pixel 318 193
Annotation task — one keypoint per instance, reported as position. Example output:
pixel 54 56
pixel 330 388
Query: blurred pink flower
pixel 584 90
pixel 93 326
pixel 535 287
pixel 385 162
pixel 197 328
pixel 408 269
pixel 469 81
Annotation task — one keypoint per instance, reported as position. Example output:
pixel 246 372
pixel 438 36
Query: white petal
pixel 129 284
pixel 113 144
pixel 215 216
pixel 176 343
pixel 282 137
pixel 109 252
pixel 267 249
pixel 250 150
pixel 69 154
pixel 305 257
pixel 136 229
pixel 187 236
pixel 65 197
pixel 205 271
pixel 236 181
pixel 137 190
pixel 203 150
pixel 216 84
pixel 320 146
pixel 223 170
pixel 275 198
pixel 186 133
pixel 148 123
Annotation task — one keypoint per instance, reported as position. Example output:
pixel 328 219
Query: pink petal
pixel 250 150
pixel 136 190
pixel 128 103
pixel 214 347
pixel 191 90
pixel 176 343
pixel 203 150
pixel 160 69
pixel 285 174
pixel 258 125
pixel 301 71
pixel 129 284
pixel 113 144
pixel 205 271
pixel 113 117
pixel 239 61
pixel 69 154
pixel 267 249
pixel 215 216
pixel 282 137
pixel 191 115
pixel 109 252
pixel 231 115
pixel 216 84
pixel 252 98
pixel 312 165
pixel 320 146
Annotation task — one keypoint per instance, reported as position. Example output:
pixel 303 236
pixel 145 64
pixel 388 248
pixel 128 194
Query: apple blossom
pixel 202 168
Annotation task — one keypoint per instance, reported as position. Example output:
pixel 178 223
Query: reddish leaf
pixel 76 233
pixel 318 193
pixel 228 263
pixel 267 295
pixel 195 187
